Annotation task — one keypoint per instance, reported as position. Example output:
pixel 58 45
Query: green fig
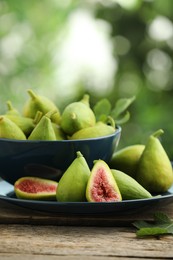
pixel 126 159
pixel 72 185
pixel 154 171
pixel 97 130
pixel 43 130
pixel 76 116
pixel 9 130
pixel 130 189
pixel 11 110
pixel 35 188
pixel 60 135
pixel 102 186
pixel 26 124
pixel 39 103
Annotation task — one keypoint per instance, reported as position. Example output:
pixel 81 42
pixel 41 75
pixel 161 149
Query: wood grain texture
pixel 81 242
pixel 55 257
pixel 27 234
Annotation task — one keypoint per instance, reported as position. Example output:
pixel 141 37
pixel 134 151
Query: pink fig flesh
pixel 101 190
pixel 35 188
pixel 101 186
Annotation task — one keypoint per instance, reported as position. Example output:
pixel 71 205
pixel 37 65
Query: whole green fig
pixel 154 169
pixel 76 116
pixel 9 130
pixel 97 130
pixel 39 103
pixel 72 185
pixel 130 189
pixel 127 158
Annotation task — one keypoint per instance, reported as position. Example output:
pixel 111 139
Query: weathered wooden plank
pixel 81 242
pixel 54 257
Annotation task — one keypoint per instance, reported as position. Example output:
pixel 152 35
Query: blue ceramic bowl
pixel 49 159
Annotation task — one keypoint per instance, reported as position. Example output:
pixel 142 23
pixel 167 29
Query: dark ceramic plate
pixel 87 208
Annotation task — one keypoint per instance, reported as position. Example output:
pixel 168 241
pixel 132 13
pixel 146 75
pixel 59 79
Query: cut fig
pixel 101 186
pixel 34 188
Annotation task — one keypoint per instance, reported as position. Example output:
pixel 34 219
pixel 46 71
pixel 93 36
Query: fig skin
pixel 11 110
pixel 9 130
pixel 60 135
pixel 26 124
pixel 40 103
pixel 43 130
pixel 99 130
pixel 130 189
pixel 127 158
pixel 154 170
pixel 102 186
pixel 38 188
pixel 72 185
pixel 76 116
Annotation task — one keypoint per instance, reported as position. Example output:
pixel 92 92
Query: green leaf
pixel 161 225
pixel 161 218
pixel 121 105
pixel 102 118
pixel 102 109
pixel 152 231
pixel 142 224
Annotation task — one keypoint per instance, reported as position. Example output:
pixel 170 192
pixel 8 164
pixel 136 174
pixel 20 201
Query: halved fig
pixel 101 186
pixel 34 188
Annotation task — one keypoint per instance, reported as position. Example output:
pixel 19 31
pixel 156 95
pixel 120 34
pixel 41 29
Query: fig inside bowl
pixel 49 159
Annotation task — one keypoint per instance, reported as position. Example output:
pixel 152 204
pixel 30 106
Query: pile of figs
pixel 80 184
pixel 134 172
pixel 41 120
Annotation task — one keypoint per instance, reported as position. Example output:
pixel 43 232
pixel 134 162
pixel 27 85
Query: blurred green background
pixel 106 48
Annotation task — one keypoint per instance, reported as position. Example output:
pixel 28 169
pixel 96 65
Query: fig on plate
pixel 154 170
pixel 34 188
pixel 72 185
pixel 101 186
pixel 127 158
pixel 130 189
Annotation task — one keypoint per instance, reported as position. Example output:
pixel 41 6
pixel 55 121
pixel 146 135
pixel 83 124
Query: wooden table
pixel 27 234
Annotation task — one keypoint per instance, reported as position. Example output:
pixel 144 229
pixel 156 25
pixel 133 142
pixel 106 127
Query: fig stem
pixel 79 154
pixel 9 105
pixel 85 99
pixel 38 116
pixel 158 133
pixel 32 94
